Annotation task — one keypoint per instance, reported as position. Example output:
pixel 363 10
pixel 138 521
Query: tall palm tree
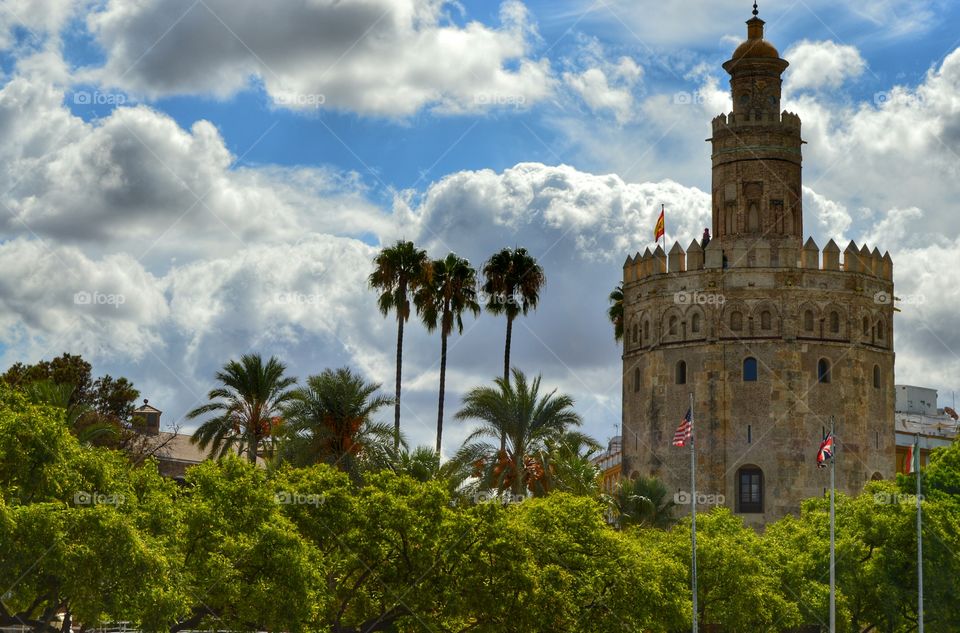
pixel 399 271
pixel 330 420
pixel 615 313
pixel 248 403
pixel 524 417
pixel 512 283
pixel 441 304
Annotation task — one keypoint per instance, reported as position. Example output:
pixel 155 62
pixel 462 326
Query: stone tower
pixel 772 336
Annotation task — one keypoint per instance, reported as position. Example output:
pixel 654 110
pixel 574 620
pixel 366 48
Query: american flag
pixel 684 431
pixel 825 451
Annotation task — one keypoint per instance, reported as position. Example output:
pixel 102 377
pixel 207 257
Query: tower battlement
pixel 763 254
pixel 755 118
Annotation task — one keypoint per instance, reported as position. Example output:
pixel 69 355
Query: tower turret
pixel 757 182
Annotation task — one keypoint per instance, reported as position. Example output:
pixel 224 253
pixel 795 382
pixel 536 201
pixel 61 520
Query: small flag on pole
pixel 825 452
pixel 658 232
pixel 684 431
pixel 908 462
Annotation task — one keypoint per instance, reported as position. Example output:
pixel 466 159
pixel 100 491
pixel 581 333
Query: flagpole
pixel 693 513
pixel 916 457
pixel 663 212
pixel 833 559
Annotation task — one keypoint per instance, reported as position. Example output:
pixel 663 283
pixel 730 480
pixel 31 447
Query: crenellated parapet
pixel 733 119
pixel 760 254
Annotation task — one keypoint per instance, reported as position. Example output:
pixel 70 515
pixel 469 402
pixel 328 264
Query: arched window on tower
pixel 646 331
pixel 866 326
pixel 695 324
pixel 749 369
pixel 835 322
pixel 681 377
pixel 880 330
pixel 823 370
pixel 753 218
pixel 808 320
pixel 674 321
pixel 750 490
pixel 736 321
pixel 636 336
pixel 765 320
pixel 876 376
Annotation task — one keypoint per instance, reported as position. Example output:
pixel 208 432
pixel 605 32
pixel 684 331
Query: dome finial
pixel 756 11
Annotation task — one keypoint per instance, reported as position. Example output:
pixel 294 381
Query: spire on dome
pixel 756 11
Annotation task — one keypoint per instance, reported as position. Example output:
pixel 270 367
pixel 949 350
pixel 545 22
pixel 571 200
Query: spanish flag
pixel 659 232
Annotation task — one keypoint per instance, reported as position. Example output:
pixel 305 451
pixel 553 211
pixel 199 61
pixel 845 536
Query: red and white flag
pixel 909 465
pixel 684 431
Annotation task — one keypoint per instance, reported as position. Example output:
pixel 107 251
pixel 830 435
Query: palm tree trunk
pixel 506 349
pixel 396 404
pixel 252 447
pixel 443 384
pixel 506 371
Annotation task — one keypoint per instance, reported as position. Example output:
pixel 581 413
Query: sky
pixel 186 181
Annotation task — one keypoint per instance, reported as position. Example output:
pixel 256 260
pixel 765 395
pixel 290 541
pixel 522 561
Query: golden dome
pixel 756 48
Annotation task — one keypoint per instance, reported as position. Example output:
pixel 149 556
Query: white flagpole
pixel 693 513
pixel 833 558
pixel 916 457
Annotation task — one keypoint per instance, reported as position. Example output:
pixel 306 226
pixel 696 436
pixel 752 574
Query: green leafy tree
pixel 441 304
pixel 737 589
pixel 248 403
pixel 588 577
pixel 615 312
pixel 245 566
pixel 331 420
pixel 399 270
pixel 82 537
pixel 525 418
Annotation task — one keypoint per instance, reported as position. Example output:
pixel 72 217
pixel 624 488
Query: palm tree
pixel 642 501
pixel 399 271
pixel 330 420
pixel 441 303
pixel 513 280
pixel 249 402
pixel 423 464
pixel 525 419
pixel 615 313
pixel 568 465
pixel 84 422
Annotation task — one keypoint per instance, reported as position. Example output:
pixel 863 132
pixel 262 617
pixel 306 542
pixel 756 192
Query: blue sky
pixel 208 160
